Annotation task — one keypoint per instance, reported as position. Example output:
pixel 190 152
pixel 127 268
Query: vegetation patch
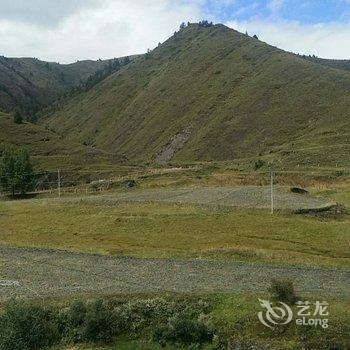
pixel 172 322
pixel 283 290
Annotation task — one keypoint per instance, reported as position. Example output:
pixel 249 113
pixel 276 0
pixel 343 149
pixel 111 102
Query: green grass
pixel 236 314
pixel 337 64
pixel 172 230
pixel 339 193
pixel 235 318
pixel 49 152
pixel 122 345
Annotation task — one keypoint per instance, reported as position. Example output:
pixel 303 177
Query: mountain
pixel 337 64
pixel 212 93
pixel 29 84
pixel 48 150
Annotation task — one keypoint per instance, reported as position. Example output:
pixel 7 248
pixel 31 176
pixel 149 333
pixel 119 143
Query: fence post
pixel 59 183
pixel 271 190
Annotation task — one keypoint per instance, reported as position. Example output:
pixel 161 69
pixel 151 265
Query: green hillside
pixel 212 93
pixel 47 149
pixel 28 83
pixel 337 64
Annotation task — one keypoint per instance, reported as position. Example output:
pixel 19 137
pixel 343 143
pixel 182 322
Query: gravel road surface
pixel 32 272
pixel 240 196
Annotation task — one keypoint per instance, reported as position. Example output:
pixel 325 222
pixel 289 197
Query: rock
pixel 299 190
pixel 128 183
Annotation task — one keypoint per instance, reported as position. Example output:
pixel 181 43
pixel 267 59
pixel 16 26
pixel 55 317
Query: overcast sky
pixel 69 30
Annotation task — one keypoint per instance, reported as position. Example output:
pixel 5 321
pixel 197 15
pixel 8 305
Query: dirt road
pixel 32 272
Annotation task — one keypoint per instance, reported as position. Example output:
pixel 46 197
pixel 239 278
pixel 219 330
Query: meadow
pixel 175 230
pixel 95 224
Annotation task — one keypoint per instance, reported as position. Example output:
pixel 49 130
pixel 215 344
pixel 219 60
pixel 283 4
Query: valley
pixel 170 191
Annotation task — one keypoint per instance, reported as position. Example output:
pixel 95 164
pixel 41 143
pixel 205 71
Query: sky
pixel 69 30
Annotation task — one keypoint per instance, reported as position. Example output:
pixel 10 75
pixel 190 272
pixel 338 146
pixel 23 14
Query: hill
pixel 212 93
pixel 29 84
pixel 47 149
pixel 337 64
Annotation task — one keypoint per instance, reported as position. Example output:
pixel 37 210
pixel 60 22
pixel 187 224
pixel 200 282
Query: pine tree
pixel 17 117
pixel 16 173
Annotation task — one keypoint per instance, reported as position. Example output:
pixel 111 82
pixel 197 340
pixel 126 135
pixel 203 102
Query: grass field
pixel 174 230
pixel 97 224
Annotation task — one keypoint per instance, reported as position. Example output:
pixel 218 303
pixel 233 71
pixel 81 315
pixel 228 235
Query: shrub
pixel 100 323
pixel 283 290
pixel 258 164
pixel 17 118
pixel 93 321
pixel 24 326
pixel 185 330
pixel 162 334
pixel 71 321
pixel 137 315
pixel 77 313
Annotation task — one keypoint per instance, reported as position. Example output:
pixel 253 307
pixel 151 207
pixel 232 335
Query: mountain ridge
pixel 220 85
pixel 29 84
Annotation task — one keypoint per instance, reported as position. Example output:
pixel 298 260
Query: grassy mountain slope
pixel 337 64
pixel 47 149
pixel 215 94
pixel 29 83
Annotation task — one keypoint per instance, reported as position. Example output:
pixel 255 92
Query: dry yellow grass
pixel 171 230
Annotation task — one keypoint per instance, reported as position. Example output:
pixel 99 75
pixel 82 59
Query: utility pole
pixel 59 183
pixel 271 189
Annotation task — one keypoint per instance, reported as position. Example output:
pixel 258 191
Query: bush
pixel 182 329
pixel 77 313
pixel 258 164
pixel 100 323
pixel 71 322
pixel 17 118
pixel 94 321
pixel 283 290
pixel 137 315
pixel 24 326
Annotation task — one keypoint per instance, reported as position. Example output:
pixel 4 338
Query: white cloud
pixel 57 31
pixel 327 40
pixel 41 12
pixel 111 29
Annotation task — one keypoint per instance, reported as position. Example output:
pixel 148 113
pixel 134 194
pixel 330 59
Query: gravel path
pixel 240 196
pixel 32 272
